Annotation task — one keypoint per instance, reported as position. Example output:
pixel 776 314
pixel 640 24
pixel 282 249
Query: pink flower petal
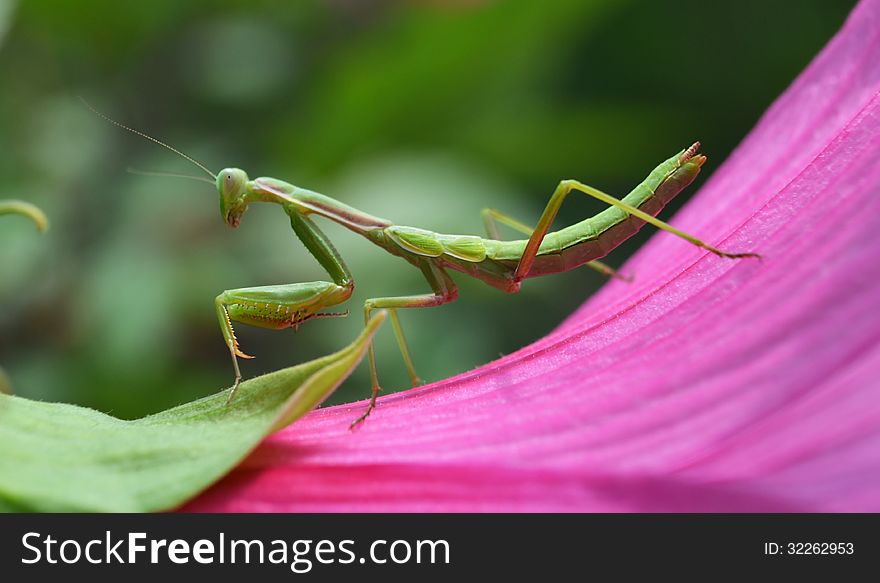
pixel 706 385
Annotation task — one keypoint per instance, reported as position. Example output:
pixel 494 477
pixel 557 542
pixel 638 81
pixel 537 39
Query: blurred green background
pixel 421 112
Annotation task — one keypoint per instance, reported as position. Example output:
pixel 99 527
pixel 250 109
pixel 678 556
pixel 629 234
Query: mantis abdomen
pixel 494 261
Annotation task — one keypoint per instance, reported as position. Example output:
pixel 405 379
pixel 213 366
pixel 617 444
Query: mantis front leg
pixel 276 307
pixel 445 291
pixel 286 306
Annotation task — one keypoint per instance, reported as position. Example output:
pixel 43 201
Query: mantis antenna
pixel 152 139
pixel 167 175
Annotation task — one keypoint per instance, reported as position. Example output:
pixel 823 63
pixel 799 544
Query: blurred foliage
pixel 422 112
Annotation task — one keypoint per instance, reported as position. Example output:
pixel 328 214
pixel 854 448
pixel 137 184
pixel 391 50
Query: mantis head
pixel 232 185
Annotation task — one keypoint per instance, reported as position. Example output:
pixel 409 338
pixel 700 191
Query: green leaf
pixel 59 457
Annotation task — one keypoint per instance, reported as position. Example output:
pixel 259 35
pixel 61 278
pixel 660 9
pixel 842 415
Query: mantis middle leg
pixel 445 291
pixel 566 186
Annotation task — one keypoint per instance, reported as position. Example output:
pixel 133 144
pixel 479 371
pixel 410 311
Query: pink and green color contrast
pixel 703 385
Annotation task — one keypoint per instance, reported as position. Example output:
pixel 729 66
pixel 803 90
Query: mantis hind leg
pixel 492 216
pixel 564 188
pixel 445 291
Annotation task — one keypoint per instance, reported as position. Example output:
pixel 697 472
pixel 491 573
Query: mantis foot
pixel 738 255
pixel 234 388
pixel 370 408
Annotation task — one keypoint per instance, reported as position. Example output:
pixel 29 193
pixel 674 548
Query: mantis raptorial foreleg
pixel 490 216
pixel 274 306
pixel 445 291
pixel 566 186
pixel 286 306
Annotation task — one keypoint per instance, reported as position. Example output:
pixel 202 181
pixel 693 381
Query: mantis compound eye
pixel 228 183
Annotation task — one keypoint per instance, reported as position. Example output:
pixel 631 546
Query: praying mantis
pixel 501 264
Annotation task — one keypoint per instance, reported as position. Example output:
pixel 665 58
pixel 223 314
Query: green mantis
pixel 501 264
pixel 19 207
